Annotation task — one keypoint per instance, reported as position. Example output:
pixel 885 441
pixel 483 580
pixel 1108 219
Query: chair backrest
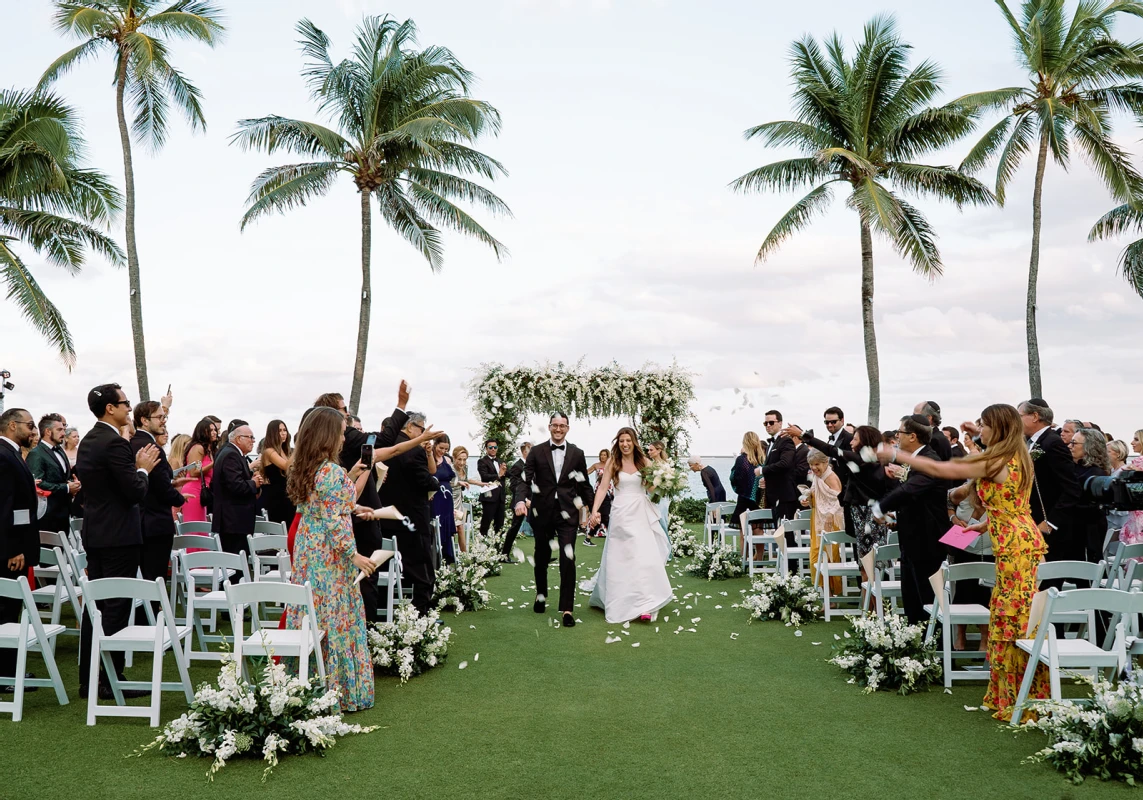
pixel 268 542
pixel 1110 600
pixel 187 541
pixel 762 516
pixel 805 513
pixel 18 589
pixel 128 588
pixel 269 592
pixel 77 525
pixel 53 539
pixel 838 537
pixel 184 528
pixel 886 552
pixel 1071 570
pixel 217 561
pixel 720 512
pixel 968 570
pixel 1124 554
pixel 267 527
pixel 893 538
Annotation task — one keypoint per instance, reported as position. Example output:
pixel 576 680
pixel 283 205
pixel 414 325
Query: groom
pixel 555 485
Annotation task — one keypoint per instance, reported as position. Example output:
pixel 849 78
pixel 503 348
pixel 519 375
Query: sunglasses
pixel 770 422
pixel 832 421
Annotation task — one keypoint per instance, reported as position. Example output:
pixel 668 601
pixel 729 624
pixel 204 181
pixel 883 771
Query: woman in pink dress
pixel 200 450
pixel 1132 532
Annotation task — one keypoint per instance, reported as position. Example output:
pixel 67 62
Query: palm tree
pixel 863 122
pixel 48 202
pixel 1078 73
pixel 405 126
pixel 1119 220
pixel 133 31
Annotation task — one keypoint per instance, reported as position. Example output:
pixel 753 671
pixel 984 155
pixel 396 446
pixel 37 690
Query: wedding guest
pixel 275 459
pixel 889 438
pixel 715 493
pixel 354 422
pixel 325 555
pixel 71 444
pixel 515 477
pixel 219 440
pixel 179 446
pixel 657 451
pixel 157 518
pixel 953 435
pixel 460 467
pixel 597 471
pixel 19 537
pixel 1004 478
pixel 50 465
pixel 492 472
pixel 33 443
pixel 200 451
pixel 851 428
pixel 442 502
pixel 826 515
pixel 937 443
pixel 779 479
pixel 1068 430
pixel 839 436
pixel 1132 532
pixel 235 488
pixel 1089 452
pixel 745 476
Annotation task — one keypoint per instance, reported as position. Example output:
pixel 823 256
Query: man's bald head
pixel 242 438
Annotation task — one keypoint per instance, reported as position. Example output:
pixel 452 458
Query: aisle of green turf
pixel 550 712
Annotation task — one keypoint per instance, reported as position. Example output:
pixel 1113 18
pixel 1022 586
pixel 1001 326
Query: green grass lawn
pixel 551 712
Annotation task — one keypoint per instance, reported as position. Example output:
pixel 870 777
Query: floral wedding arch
pixel 656 399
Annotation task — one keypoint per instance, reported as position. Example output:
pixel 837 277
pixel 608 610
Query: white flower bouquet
pixel 887 654
pixel 683 541
pixel 715 562
pixel 791 599
pixel 410 644
pixel 663 479
pixel 1103 738
pixel 462 586
pixel 277 715
pixel 485 551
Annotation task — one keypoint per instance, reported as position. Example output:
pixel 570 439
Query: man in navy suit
pixel 19 539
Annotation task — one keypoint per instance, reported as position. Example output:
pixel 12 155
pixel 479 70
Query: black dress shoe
pixel 569 620
pixel 539 606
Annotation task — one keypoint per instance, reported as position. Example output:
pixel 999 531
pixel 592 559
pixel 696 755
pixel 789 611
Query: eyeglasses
pixel 492 447
pixel 1075 443
pixel 244 436
pixel 123 403
pixel 770 422
pixel 30 424
pixel 832 421
pixel 558 426
pixel 160 418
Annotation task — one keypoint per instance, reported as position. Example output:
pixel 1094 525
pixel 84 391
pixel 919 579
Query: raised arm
pixel 959 470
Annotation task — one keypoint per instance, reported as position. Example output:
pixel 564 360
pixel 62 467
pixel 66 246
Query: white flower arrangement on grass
pixel 683 541
pixel 276 716
pixel 1103 738
pixel 410 644
pixel 663 479
pixel 485 551
pixel 887 654
pixel 791 599
pixel 462 586
pixel 715 562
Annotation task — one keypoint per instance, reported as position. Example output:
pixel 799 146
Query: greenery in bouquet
pixel 462 586
pixel 683 541
pixel 663 479
pixel 715 562
pixel 410 644
pixel 791 599
pixel 275 716
pixel 1103 738
pixel 887 654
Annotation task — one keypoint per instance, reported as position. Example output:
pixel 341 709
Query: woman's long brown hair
pixel 1007 443
pixel 637 455
pixel 319 440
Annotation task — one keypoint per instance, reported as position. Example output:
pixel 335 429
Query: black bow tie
pixel 558 446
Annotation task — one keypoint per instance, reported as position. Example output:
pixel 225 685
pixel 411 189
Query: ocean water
pixel 722 465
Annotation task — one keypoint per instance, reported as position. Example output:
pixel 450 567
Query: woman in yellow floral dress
pixel 1004 477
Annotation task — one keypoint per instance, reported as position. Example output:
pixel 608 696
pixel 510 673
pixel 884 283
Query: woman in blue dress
pixel 443 508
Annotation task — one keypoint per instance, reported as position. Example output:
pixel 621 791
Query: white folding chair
pixel 191 536
pixel 949 614
pixel 299 642
pixel 266 555
pixel 1074 573
pixel 717 515
pixel 879 589
pixel 389 579
pixel 845 568
pixel 804 513
pixel 210 568
pixel 762 538
pixel 28 635
pixel 63 587
pixel 270 528
pixel 1074 654
pixel 1125 556
pixel 800 550
pixel 157 639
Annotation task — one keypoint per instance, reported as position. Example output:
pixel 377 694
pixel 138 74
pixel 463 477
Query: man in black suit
pixel 779 480
pixel 1056 492
pixel 235 489
pixel 920 503
pixel 407 486
pixel 939 446
pixel 953 436
pixel 556 487
pixel 515 478
pixel 48 463
pixel 839 437
pixel 366 532
pixel 19 536
pixel 114 485
pixel 162 493
pixel 492 502
pixel 715 493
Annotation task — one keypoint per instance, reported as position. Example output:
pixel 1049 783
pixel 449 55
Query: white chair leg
pixel 21 669
pixel 157 683
pixel 946 646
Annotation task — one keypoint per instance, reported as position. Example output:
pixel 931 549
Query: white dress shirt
pixel 558 457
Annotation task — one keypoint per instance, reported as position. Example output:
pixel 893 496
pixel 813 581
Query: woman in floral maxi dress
pixel 1004 478
pixel 325 554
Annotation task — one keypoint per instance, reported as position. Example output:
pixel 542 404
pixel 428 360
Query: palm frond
pixel 928 130
pixel 84 19
pixel 60 239
pixel 993 100
pixel 455 187
pixel 983 151
pixel 198 20
pixel 914 240
pixel 1017 146
pixel 782 176
pixel 272 134
pixel 34 304
pixel 403 218
pixel 149 101
pixel 1119 220
pixel 805 137
pixel 939 182
pixel 280 189
pixel 1131 265
pixel 443 213
pixel 69 60
pixel 794 220
pixel 1109 160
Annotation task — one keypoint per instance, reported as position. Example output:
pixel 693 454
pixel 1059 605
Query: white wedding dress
pixel 632 578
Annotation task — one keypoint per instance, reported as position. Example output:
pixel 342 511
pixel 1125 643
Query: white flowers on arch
pixel 656 399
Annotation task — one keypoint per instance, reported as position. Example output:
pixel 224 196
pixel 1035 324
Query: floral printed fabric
pixel 323 555
pixel 1018 548
pixel 1132 532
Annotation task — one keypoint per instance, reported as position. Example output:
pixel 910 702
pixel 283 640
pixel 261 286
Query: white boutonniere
pixel 1035 450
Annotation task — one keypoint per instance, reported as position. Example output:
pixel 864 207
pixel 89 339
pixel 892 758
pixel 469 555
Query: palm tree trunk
pixel 136 299
pixel 363 318
pixel 871 367
pixel 1034 274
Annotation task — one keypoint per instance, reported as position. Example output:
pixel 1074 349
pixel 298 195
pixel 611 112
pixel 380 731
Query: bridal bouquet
pixel 410 644
pixel 888 654
pixel 1104 738
pixel 715 562
pixel 683 541
pixel 789 598
pixel 663 479
pixel 276 715
pixel 462 586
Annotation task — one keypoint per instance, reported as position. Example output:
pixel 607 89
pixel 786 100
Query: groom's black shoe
pixel 539 606
pixel 569 620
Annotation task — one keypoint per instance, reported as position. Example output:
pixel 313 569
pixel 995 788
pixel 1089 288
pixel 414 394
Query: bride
pixel 632 580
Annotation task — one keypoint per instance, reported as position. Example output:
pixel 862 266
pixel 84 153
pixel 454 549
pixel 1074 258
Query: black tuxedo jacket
pixel 801 464
pixel 869 482
pixel 161 495
pixel 780 471
pixel 486 468
pixel 44 462
pixel 367 533
pixel 922 516
pixel 515 477
pixel 112 490
pixel 407 486
pixel 1057 492
pixel 842 442
pixel 235 495
pixel 555 495
pixel 940 447
pixel 17 496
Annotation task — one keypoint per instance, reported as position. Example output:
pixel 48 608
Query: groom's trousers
pixel 566 536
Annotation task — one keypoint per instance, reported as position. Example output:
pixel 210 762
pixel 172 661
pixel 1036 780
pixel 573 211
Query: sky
pixel 622 128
